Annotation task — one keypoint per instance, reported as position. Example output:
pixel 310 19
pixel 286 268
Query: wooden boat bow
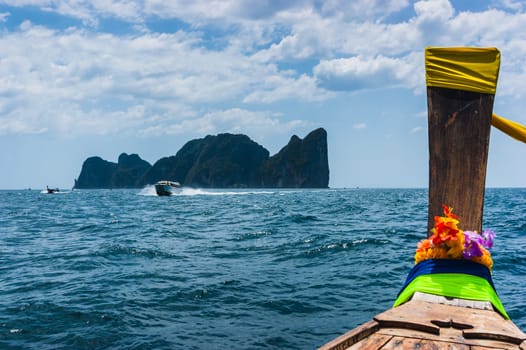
pixel 459 123
pixel 420 324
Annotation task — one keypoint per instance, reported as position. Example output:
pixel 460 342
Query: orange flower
pixel 423 245
pixel 448 211
pixel 447 241
pixel 445 229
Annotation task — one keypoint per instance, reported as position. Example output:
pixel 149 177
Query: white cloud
pixel 87 11
pixel 230 54
pixel 358 73
pixel 234 120
pixel 360 10
pixel 123 9
pixel 4 16
pixel 359 126
pixel 433 10
pixel 278 87
pixel 513 5
pixel 230 10
pixel 77 81
pixel 416 129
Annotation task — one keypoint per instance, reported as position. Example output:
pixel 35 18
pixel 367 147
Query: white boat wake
pixel 190 191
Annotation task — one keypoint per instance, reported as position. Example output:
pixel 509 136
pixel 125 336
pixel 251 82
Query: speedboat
pixel 167 188
pixel 51 190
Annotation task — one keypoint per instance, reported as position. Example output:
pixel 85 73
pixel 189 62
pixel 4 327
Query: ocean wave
pixel 110 251
pixel 237 269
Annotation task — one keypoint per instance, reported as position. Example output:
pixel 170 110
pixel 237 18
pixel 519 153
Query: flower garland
pixel 450 242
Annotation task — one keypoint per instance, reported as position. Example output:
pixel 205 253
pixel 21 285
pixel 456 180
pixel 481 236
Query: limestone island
pixel 220 161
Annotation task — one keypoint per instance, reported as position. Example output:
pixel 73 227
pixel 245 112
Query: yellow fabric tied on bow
pixel 511 128
pixel 463 68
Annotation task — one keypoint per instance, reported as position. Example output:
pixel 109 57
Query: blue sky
pixel 101 77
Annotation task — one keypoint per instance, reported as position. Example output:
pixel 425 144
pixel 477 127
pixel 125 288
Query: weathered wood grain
pixel 375 341
pixel 421 324
pixel 402 343
pixel 459 125
pixel 352 337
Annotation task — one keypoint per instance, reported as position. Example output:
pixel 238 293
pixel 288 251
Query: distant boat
pixel 51 190
pixel 167 188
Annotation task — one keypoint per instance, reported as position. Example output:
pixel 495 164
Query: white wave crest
pixel 149 190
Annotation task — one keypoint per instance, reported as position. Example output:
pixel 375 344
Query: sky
pixel 82 78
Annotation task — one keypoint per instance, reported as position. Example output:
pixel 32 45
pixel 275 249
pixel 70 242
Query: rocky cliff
pixel 130 169
pixel 221 161
pixel 300 164
pixel 99 173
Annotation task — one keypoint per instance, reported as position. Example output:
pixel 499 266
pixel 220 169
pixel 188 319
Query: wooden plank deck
pixel 420 324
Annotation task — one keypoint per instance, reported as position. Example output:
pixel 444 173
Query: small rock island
pixel 220 161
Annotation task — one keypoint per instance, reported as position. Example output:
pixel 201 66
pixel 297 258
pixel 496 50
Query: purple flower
pixel 488 236
pixel 472 243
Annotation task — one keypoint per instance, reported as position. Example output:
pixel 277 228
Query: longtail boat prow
pixel 448 300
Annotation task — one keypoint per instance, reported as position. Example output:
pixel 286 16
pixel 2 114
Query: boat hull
pixel 428 324
pixel 52 190
pixel 167 188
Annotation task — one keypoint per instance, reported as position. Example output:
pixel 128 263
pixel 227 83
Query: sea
pixel 220 269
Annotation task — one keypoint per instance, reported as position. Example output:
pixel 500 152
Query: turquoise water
pixel 212 269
